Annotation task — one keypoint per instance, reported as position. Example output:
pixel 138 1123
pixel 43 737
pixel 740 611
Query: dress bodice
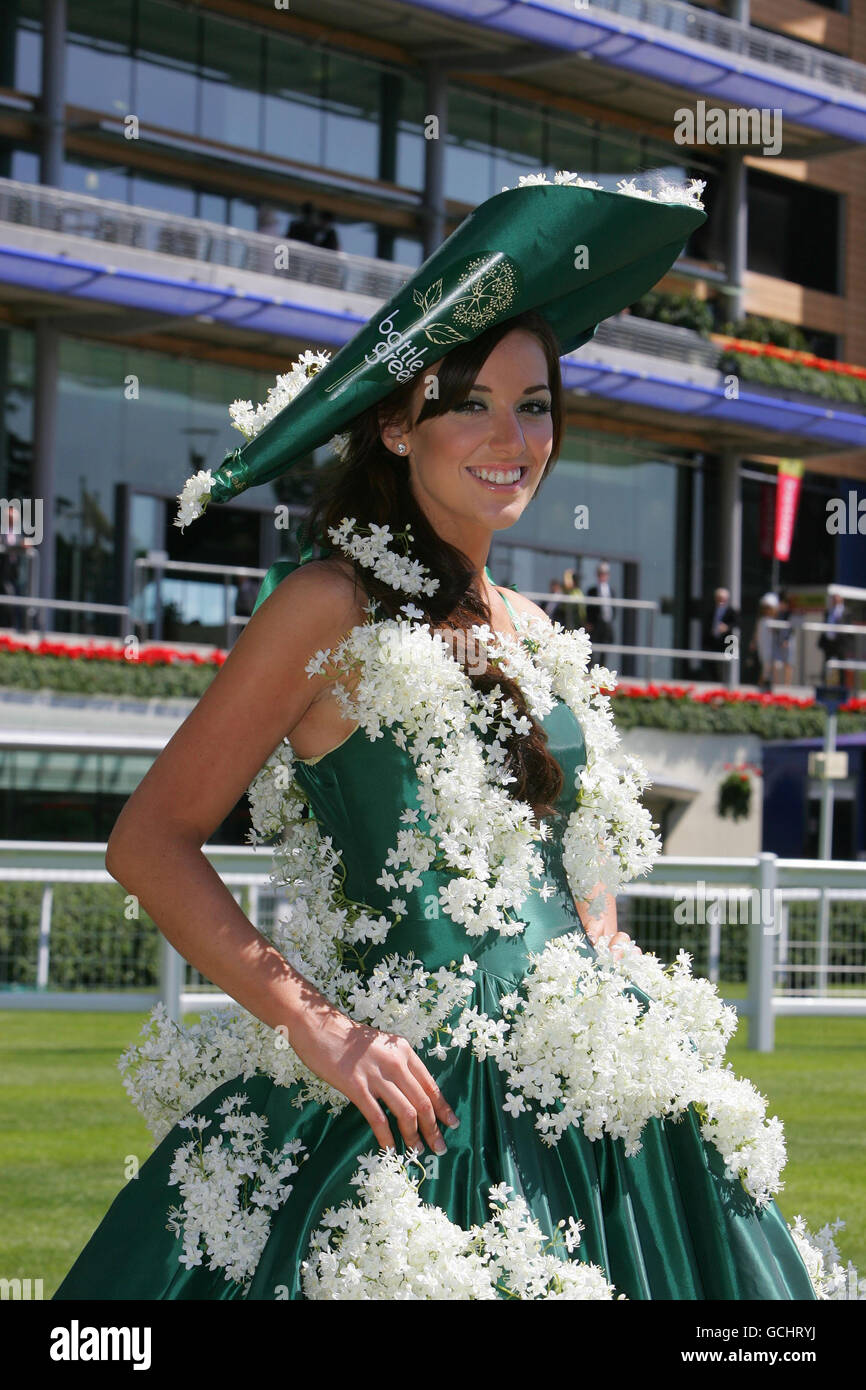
pixel 357 793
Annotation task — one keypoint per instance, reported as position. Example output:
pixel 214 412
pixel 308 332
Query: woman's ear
pixel 392 433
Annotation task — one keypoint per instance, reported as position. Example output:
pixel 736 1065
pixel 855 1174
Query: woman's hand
pixel 603 924
pixel 369 1066
pixel 615 939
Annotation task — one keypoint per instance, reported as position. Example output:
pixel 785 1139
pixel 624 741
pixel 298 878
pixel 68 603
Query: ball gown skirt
pixel 664 1223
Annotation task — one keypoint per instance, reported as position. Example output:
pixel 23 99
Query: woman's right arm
pixel 155 852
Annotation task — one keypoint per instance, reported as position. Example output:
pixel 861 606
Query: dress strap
pixel 508 606
pixel 504 599
pixel 281 568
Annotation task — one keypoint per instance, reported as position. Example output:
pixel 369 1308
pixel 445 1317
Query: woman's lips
pixel 500 487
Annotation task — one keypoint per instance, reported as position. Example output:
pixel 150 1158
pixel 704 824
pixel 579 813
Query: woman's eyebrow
pixel 528 390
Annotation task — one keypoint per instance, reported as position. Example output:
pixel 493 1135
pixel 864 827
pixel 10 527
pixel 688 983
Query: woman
pixel 764 641
pixel 575 613
pixel 472 1151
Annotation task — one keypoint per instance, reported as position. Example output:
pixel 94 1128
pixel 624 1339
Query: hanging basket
pixel 735 790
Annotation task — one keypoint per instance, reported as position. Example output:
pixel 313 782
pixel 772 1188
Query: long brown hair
pixel 372 485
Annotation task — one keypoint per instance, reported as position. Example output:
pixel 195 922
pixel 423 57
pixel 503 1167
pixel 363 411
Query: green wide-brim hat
pixel 571 250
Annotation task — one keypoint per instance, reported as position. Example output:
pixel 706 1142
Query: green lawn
pixel 67 1128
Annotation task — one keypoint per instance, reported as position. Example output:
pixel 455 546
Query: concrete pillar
pixel 731 544
pixel 52 145
pixel 736 231
pixel 52 103
pixel 436 104
pixel 45 456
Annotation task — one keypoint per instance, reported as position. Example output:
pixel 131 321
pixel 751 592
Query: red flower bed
pixel 168 656
pixel 106 651
pixel 804 359
pixel 721 695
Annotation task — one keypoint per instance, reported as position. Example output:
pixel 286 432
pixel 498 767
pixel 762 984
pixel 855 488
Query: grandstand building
pixel 156 154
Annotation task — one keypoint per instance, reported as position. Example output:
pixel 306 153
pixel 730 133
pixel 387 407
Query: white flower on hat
pixel 194 497
pixel 666 191
pixel 250 420
pixel 286 387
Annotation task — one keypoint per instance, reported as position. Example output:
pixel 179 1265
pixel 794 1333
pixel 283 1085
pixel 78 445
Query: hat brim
pixel 575 255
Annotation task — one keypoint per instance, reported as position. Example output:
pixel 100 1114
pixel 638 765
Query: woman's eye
pixel 535 407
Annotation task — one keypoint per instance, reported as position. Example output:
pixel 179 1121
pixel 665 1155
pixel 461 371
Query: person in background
pixel 267 219
pixel 835 644
pixel 550 605
pixel 719 626
pixel 574 614
pixel 764 642
pixel 326 234
pixel 600 623
pixel 248 589
pixel 326 238
pixel 307 227
pixel 784 639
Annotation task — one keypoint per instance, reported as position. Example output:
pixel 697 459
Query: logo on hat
pixel 484 291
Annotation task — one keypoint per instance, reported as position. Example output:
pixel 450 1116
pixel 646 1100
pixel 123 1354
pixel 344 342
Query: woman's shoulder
pixel 330 580
pixel 317 603
pixel 524 606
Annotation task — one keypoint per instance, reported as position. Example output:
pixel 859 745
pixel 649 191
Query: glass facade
pixel 136 420
pixel 603 501
pixel 203 76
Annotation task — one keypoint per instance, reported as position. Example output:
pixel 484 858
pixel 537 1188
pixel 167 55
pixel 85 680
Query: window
pixel 468 164
pixel 351 134
pixel 294 86
pixel 98 55
pixel 231 84
pixel 794 231
pixel 166 84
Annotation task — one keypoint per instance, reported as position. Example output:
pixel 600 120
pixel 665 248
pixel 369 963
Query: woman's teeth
pixel 498 475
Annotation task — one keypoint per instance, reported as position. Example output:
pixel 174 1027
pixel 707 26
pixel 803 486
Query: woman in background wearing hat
pixel 764 641
pixel 451 455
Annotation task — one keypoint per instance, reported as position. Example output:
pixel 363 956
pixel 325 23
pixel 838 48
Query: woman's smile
pixel 500 479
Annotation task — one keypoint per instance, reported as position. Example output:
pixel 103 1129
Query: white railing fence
pixel 753 921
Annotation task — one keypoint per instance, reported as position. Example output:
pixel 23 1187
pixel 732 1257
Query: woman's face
pixel 482 460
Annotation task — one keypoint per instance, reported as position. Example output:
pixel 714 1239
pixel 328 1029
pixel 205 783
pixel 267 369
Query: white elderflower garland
pixel 391 1245
pixel 228 1187
pixel 830 1278
pixel 372 550
pixel 576 1039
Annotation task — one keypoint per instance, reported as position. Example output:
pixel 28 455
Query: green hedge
pixel 103 678
pixel 682 310
pixel 687 311
pixel 28 671
pixel 93 944
pixel 741 717
pixel 793 376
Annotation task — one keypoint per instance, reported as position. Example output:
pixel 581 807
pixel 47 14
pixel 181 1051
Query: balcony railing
pixel 211 243
pixel 720 32
pixel 194 239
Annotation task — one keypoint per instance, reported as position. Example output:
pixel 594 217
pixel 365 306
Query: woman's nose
pixel 508 432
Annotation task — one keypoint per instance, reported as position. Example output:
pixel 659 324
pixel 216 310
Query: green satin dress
pixel 663 1224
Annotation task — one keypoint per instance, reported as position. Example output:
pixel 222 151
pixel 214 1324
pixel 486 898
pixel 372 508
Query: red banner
pixel 787 497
